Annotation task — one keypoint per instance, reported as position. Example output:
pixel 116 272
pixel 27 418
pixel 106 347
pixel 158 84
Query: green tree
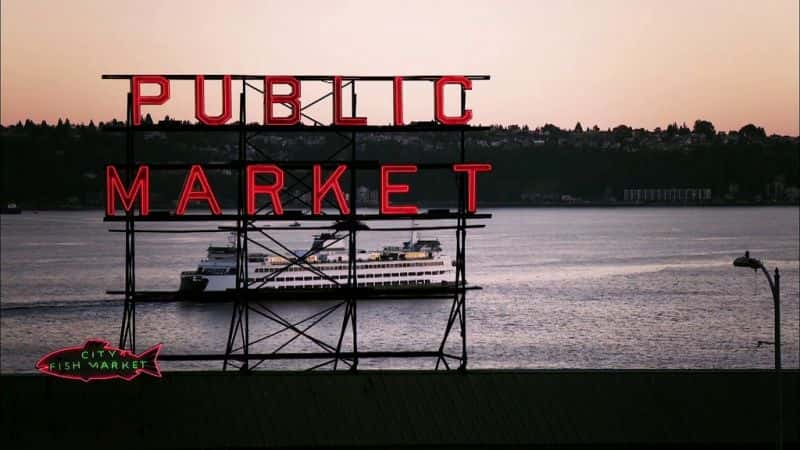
pixel 622 132
pixel 704 127
pixel 753 132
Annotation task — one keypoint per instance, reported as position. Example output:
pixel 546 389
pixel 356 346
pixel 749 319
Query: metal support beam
pixel 246 352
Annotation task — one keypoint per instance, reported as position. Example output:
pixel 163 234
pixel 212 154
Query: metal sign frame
pixel 250 300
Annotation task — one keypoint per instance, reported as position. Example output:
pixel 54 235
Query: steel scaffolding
pixel 252 299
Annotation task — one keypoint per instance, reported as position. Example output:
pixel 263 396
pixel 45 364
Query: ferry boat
pixel 418 262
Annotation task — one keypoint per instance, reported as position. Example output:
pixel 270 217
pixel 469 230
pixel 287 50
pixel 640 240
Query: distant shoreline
pixel 521 205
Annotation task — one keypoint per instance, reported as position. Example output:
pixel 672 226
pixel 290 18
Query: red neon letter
pixel 140 186
pixel 332 183
pixel 398 101
pixel 387 189
pixel 441 117
pixel 273 190
pixel 200 101
pixel 472 181
pixel 293 99
pixel 205 193
pixel 337 107
pixel 138 99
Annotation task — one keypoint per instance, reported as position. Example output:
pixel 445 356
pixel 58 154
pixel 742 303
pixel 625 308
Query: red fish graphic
pixel 97 360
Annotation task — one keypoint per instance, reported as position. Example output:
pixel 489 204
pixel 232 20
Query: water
pixel 562 288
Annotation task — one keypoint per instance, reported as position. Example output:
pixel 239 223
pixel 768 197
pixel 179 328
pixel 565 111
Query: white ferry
pixel 418 262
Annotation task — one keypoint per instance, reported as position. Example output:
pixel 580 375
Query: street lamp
pixel 775 287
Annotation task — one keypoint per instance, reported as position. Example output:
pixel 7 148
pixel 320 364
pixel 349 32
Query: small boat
pixel 10 208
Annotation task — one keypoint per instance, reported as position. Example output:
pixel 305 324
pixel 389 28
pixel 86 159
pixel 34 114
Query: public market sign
pixel 197 188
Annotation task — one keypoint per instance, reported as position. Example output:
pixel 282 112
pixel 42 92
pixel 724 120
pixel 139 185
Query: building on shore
pixel 668 195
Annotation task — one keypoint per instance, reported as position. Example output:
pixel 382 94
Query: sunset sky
pixel 642 63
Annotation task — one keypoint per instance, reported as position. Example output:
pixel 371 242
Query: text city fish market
pixel 98 359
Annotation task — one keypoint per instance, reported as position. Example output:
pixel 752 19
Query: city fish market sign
pixel 97 360
pixel 197 188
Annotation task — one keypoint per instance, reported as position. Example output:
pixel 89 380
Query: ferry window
pixel 427 273
pixel 306 278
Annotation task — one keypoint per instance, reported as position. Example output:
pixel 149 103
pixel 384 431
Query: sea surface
pixel 562 288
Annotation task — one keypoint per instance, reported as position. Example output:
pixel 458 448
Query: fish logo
pixel 97 360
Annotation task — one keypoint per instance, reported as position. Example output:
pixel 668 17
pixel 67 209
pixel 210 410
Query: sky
pixel 644 63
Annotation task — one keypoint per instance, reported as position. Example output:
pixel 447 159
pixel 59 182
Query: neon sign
pixel 196 187
pixel 291 100
pixel 97 360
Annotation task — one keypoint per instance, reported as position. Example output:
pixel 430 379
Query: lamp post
pixel 775 287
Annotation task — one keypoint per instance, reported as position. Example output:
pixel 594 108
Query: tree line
pixel 61 165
